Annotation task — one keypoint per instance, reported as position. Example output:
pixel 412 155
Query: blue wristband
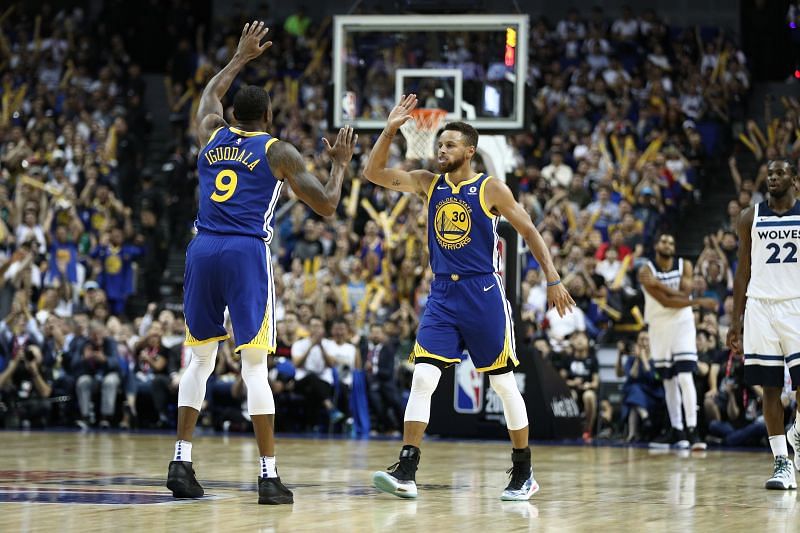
pixel 553 283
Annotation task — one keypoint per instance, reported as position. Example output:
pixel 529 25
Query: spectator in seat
pixel 580 370
pixel 97 368
pixel 150 376
pixel 557 173
pixel 314 374
pixel 344 353
pixel 377 354
pixel 116 271
pixel 25 385
pixel 642 394
pixel 734 414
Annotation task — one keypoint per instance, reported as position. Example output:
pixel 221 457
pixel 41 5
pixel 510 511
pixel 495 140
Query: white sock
pixel 183 451
pixel 778 445
pixel 689 398
pixel 268 467
pixel 797 422
pixel 672 394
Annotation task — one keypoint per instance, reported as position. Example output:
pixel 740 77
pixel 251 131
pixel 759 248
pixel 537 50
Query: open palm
pixel 250 46
pixel 402 111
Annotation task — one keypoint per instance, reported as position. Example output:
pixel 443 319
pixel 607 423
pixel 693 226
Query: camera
pixel 29 355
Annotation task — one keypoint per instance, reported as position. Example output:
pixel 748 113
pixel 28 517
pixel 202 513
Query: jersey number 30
pixel 776 250
pixel 225 187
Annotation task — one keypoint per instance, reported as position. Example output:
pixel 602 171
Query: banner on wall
pixel 465 406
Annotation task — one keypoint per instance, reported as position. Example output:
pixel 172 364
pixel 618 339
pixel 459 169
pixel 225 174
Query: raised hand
pixel 342 150
pixel 250 46
pixel 402 112
pixel 558 297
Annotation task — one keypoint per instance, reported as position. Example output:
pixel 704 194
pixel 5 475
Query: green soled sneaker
pixel 272 492
pixel 399 480
pixel 182 482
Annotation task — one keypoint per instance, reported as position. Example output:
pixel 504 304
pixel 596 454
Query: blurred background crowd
pixel 634 125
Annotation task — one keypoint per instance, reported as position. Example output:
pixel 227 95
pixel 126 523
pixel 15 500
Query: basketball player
pixel 241 172
pixel 667 282
pixel 766 290
pixel 467 307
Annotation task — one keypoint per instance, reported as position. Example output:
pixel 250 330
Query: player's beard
pixel 450 166
pixel 662 255
pixel 781 193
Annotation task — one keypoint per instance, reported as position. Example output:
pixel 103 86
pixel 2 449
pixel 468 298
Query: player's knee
pixel 254 356
pixel 425 379
pixel 204 354
pixel 505 385
pixel 589 397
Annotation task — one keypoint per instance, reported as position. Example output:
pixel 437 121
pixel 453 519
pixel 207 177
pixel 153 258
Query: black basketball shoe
pixel 521 486
pixel 694 440
pixel 674 438
pixel 272 492
pixel 181 480
pixel 400 479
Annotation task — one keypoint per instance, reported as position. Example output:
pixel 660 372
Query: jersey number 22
pixel 776 250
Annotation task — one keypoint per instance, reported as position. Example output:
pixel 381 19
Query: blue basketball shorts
pixel 233 271
pixel 473 314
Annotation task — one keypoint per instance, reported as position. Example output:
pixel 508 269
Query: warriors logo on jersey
pixel 453 221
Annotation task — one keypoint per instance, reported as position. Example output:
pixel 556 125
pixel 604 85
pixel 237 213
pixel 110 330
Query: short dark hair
pixel 788 161
pixel 470 134
pixel 250 103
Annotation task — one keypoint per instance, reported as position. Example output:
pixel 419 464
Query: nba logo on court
pixel 468 397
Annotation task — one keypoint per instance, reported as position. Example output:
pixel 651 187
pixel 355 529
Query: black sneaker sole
pixel 777 485
pixel 180 490
pixel 276 500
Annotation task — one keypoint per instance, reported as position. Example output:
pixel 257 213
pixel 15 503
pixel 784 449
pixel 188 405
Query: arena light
pixel 511 47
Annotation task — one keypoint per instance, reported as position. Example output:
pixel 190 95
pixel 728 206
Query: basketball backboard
pixel 468 65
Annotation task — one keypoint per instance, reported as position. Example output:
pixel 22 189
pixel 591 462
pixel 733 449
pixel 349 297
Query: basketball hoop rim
pixel 428 119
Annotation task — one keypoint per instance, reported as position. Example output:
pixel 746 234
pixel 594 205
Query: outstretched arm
pixel 741 281
pixel 209 111
pixel 416 181
pixel 499 199
pixel 287 164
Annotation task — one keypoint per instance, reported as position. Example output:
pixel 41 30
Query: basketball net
pixel 420 132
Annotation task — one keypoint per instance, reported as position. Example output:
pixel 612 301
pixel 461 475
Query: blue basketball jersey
pixel 462 231
pixel 238 191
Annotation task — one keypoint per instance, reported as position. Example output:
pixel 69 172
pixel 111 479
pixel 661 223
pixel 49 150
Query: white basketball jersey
pixel 775 244
pixel 654 312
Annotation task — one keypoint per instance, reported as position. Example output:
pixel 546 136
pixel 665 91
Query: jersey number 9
pixel 225 187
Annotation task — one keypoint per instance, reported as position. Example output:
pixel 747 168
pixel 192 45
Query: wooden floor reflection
pixel 103 482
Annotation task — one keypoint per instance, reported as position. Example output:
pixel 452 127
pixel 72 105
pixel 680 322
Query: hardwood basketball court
pixel 100 482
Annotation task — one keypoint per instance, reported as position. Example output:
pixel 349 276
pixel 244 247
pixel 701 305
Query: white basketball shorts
pixel 771 339
pixel 673 347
